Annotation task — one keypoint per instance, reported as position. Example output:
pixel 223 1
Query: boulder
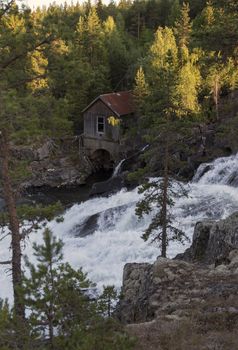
pixel 114 184
pixel 88 227
pixel 91 223
pixel 45 150
pixel 213 241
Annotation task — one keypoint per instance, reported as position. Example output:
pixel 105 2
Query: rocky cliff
pixel 172 297
pixel 54 164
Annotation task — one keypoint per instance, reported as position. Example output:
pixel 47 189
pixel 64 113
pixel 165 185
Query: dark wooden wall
pixel 99 109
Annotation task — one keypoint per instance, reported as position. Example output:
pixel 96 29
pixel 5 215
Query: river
pixel 115 237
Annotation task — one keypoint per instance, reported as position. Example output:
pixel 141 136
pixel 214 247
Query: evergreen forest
pixel 180 60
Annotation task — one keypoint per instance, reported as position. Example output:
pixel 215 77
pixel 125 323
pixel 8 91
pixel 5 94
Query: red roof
pixel 121 103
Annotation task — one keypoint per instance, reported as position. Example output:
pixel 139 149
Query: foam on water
pixel 117 238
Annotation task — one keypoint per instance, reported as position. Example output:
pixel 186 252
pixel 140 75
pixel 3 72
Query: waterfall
pixel 118 168
pixel 222 171
pixel 116 238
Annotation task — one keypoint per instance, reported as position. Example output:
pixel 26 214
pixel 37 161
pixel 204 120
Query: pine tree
pixel 107 300
pixel 141 86
pixel 54 292
pixel 140 91
pixel 168 111
pixel 174 13
pixel 183 26
pixel 164 44
pixel 118 55
pixel 63 312
pixel 189 83
pixel 159 195
pixel 208 14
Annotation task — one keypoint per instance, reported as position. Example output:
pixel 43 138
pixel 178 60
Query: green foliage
pixel 107 300
pixel 32 218
pixel 113 121
pixel 54 292
pixel 62 315
pixel 183 26
pixel 174 14
pixel 13 334
pixel 164 45
pixel 189 82
pixel 141 87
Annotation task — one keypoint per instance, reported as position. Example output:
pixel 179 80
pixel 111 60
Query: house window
pixel 101 125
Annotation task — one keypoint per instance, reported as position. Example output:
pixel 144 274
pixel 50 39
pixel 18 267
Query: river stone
pixel 88 227
pixel 91 223
pixel 114 184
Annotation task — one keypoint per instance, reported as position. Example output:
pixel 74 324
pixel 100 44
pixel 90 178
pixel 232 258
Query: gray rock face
pixel 57 173
pixel 173 288
pixel 213 241
pixel 206 272
pixel 136 290
pixel 54 164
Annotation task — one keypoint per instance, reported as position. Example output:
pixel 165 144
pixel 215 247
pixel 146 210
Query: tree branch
pixel 16 57
pixel 5 9
pixel 2 238
pixel 7 262
pixel 27 80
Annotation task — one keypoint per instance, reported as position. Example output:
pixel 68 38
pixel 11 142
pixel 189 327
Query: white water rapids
pixel 116 239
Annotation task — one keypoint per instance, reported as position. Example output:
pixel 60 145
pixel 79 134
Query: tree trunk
pixel 138 26
pixel 51 307
pixel 164 200
pixel 14 226
pixel 216 96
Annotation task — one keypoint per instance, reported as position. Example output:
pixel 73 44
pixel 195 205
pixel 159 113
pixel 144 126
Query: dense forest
pixel 56 60
pixel 179 59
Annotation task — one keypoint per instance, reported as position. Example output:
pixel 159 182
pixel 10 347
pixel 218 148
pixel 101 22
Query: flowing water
pixel 118 168
pixel 115 237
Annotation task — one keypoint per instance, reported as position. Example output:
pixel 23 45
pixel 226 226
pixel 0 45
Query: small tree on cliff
pixel 107 300
pixel 167 109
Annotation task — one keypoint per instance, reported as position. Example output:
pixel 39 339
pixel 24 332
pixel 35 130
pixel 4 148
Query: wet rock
pixel 202 170
pixel 114 184
pixel 91 224
pixel 88 227
pixel 233 180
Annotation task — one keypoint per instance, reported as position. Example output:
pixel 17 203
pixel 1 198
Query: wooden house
pixel 105 120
